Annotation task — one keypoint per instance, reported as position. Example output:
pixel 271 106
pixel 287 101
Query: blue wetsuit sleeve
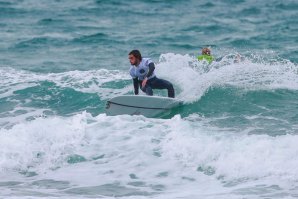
pixel 151 69
pixel 136 85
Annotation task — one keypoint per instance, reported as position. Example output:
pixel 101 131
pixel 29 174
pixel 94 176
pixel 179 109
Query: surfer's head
pixel 135 57
pixel 206 51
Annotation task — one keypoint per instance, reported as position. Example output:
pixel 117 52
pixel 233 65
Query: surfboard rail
pixel 148 106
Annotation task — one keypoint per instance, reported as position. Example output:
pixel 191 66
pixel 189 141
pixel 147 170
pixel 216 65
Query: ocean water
pixel 236 136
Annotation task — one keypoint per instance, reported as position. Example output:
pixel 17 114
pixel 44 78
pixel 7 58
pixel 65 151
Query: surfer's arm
pixel 136 85
pixel 151 69
pixel 150 72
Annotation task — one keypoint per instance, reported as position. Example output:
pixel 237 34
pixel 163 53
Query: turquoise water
pixel 235 136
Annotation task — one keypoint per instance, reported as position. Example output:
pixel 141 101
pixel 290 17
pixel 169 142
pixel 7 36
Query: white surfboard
pixel 149 106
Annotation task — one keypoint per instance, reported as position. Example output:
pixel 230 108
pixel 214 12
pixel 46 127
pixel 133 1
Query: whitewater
pixel 234 137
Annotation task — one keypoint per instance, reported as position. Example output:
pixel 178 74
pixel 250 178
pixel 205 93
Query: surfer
pixel 206 55
pixel 142 73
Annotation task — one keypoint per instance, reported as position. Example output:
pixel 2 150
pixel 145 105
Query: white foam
pixel 185 157
pixel 93 81
pixel 84 81
pixel 191 78
pixel 194 78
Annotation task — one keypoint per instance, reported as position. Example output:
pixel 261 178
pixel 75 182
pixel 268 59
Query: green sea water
pixel 234 137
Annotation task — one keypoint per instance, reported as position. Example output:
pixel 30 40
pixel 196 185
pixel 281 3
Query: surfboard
pixel 148 106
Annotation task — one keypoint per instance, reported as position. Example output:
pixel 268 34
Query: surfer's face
pixel 206 51
pixel 133 60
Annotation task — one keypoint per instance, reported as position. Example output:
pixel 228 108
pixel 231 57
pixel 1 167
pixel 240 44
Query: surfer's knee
pixel 166 84
pixel 169 86
pixel 148 91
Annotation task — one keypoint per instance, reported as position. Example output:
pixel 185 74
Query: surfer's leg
pixel 163 84
pixel 148 90
pixel 142 89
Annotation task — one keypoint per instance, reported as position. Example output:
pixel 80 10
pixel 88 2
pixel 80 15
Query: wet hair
pixel 206 51
pixel 136 54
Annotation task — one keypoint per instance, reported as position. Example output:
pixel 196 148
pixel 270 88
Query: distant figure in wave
pixel 206 56
pixel 142 73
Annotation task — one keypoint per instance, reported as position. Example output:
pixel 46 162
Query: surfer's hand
pixel 144 82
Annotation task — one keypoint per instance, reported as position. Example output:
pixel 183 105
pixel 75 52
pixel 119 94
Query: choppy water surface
pixel 235 137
